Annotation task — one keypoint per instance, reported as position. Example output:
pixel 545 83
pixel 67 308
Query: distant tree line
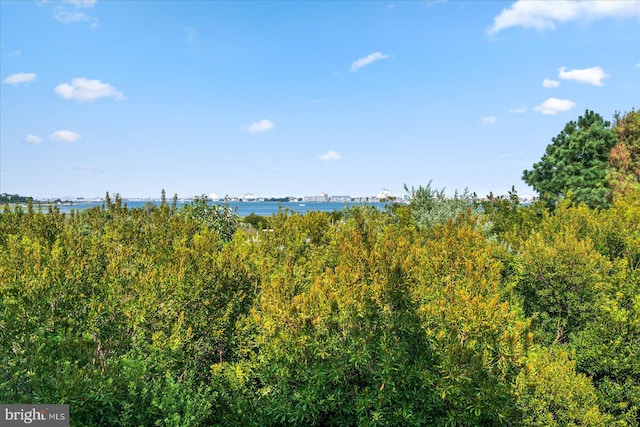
pixel 14 198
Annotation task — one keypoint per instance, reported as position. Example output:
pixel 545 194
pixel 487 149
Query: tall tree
pixel 624 175
pixel 576 162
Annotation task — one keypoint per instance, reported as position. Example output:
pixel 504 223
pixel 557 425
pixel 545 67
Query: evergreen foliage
pixel 575 164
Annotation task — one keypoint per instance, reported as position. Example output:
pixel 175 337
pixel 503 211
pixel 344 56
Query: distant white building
pixel 322 197
pixel 340 199
pixel 214 196
pixel 384 194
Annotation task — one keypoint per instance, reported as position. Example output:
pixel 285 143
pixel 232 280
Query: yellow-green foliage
pixel 160 316
pixel 550 394
pixel 478 337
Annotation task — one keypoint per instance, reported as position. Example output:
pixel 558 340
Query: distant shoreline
pixel 242 208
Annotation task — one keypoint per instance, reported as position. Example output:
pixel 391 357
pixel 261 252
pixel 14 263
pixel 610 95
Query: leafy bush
pixel 425 314
pixel 430 207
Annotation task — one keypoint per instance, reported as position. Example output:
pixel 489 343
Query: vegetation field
pixel 446 312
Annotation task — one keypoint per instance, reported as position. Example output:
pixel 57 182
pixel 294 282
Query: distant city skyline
pixel 383 195
pixel 296 98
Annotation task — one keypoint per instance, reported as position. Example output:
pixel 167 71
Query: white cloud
pixel 555 106
pixel 593 75
pixel 363 62
pixel 518 110
pixel 489 120
pixel 14 79
pixel 81 3
pixel 64 136
pixel 32 139
pixel 83 89
pixel 66 17
pixel 542 15
pixel 261 126
pixel 550 83
pixel 329 156
pixel 63 15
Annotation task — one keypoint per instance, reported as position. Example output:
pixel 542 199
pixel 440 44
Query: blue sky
pixel 297 98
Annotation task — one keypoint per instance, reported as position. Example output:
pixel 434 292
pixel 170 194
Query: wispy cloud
pixel 260 126
pixel 83 89
pixel 518 110
pixel 67 17
pixel 550 83
pixel 363 62
pixel 87 4
pixel 32 139
pixel 329 156
pixel 63 15
pixel 17 78
pixel 554 106
pixel 64 136
pixel 593 75
pixel 543 15
pixel 489 120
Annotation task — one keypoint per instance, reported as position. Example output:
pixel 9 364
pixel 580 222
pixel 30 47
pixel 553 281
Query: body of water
pixel 241 208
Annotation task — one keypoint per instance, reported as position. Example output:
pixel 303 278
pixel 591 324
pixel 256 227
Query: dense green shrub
pixel 438 312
